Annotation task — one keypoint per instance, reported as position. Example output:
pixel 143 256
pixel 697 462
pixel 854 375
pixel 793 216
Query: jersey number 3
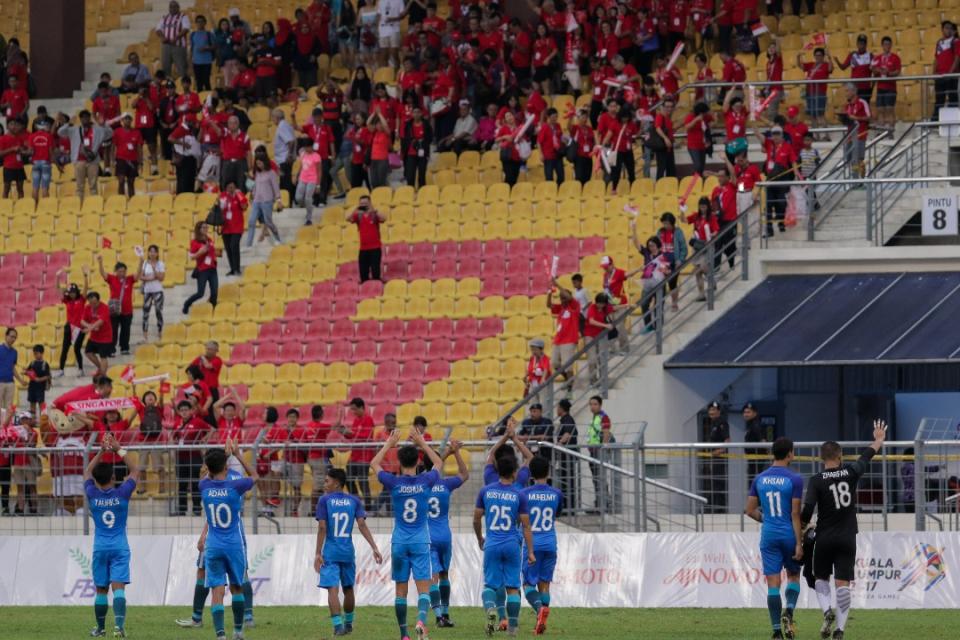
pixel 841 494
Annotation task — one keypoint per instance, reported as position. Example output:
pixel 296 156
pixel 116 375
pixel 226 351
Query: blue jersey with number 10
pixel 339 510
pixel 109 512
pixel 775 489
pixel 544 502
pixel 410 495
pixel 503 504
pixel 223 509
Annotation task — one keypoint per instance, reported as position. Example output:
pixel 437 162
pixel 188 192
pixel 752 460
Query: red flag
pixel 106 243
pixel 128 374
pixel 818 40
pixel 164 387
pixel 758 29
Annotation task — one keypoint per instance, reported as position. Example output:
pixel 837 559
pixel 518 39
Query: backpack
pixel 152 422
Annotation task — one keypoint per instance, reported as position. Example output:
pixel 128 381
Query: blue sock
pixel 100 609
pixel 444 596
pixel 423 607
pixel 545 598
pixel 237 604
pixel 502 603
pixel 337 621
pixel 216 612
pixel 489 598
pixel 400 608
pixel 247 600
pixel 119 608
pixel 775 606
pixel 200 593
pixel 348 618
pixel 513 610
pixel 533 597
pixel 435 599
pixel 793 594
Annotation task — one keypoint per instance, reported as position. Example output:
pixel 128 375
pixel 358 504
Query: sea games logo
pixel 256 564
pixel 884 578
pixel 82 587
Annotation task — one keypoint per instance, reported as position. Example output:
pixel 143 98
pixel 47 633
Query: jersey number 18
pixel 841 494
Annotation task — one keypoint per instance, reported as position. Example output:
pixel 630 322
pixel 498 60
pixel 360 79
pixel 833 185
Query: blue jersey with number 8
pixel 502 505
pixel 543 502
pixel 410 496
pixel 109 512
pixel 223 509
pixel 339 510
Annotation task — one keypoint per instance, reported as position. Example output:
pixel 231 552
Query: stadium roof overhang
pixel 808 320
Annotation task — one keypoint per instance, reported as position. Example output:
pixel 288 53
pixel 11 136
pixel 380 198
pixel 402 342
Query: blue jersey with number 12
pixel 410 495
pixel 339 510
pixel 544 502
pixel 502 504
pixel 223 509
pixel 776 488
pixel 109 512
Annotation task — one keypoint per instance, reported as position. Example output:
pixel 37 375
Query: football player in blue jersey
pixel 544 503
pixel 441 540
pixel 501 508
pixel 225 554
pixel 109 506
pixel 410 545
pixel 774 501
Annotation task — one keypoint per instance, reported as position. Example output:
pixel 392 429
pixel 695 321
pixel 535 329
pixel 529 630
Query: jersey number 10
pixel 220 515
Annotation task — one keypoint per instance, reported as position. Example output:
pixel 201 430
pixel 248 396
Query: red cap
pixel 793 111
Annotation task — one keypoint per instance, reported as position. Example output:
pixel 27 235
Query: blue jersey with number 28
pixel 776 488
pixel 502 504
pixel 223 509
pixel 544 502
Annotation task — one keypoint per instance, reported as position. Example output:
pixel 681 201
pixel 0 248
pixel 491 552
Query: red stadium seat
pixel 325 289
pixel 361 390
pixel 349 271
pixel 409 391
pixel 436 370
pixel 417 328
pixel 568 247
pixel 412 370
pixel 469 268
pixel 318 329
pixel 422 251
pixel 445 268
pixel 389 350
pixel 342 329
pixel 471 249
pixel 386 391
pixel 295 329
pixel 391 328
pixel 463 348
pixel 492 286
pixel 314 351
pixel 589 246
pixel 347 287
pixel 421 268
pixel 340 351
pixel 544 247
pixel 441 328
pixel 398 251
pixel 272 330
pixel 466 328
pixel 440 349
pixel 370 289
pixel 494 249
pixel 415 348
pixel 447 249
pixel 13 260
pixel 365 351
pixel 38 262
pixel 298 309
pixel 395 269
pixel 242 354
pixel 268 351
pixel 290 351
pixel 368 330
pixel 519 247
pixel 388 370
pixel 489 327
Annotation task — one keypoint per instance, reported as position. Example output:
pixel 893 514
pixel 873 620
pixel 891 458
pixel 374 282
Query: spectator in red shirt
pixel 857 112
pixel 415 147
pixel 120 304
pixel 73 298
pixel 129 151
pixel 270 465
pixel 545 56
pixel 567 314
pixel 550 141
pixel 145 120
pixel 886 66
pixel 210 364
pixel 14 101
pixel 734 74
pixel 368 221
pixel 233 204
pixel 295 457
pixel 521 50
pixel 509 142
pixel 946 59
pixel 581 134
pixel 704 74
pixel 860 63
pixel 774 74
pixel 795 128
pixel 318 431
pixel 203 251
pixel 663 125
pixel 724 200
pixel 538 368
pixel 705 228
pixel 780 166
pixel 96 324
pixel 360 431
pixel 697 126
pixel 43 148
pixel 149 414
pixel 189 429
pixel 14 146
pixel 324 143
pixel 596 323
pixel 235 156
pixel 816 94
pixel 361 139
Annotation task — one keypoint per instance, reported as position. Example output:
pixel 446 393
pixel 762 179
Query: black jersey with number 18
pixel 833 492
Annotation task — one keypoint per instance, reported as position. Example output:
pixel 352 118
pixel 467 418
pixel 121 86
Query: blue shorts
pixel 777 554
pixel 335 574
pixel 224 566
pixel 541 570
pixel 440 555
pixel 410 558
pixel 42 173
pixel 501 566
pixel 111 566
pixel 816 105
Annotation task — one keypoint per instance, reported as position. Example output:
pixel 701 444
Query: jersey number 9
pixel 109 519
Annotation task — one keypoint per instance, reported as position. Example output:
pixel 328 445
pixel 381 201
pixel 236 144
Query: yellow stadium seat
pixel 436 391
pixel 313 372
pixel 288 372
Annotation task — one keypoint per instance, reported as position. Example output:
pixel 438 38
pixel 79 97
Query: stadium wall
pixel 894 570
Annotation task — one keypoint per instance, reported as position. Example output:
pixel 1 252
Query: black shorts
pixel 14 175
pixel 37 396
pixel 864 93
pixel 127 169
pixel 149 135
pixel 542 73
pixel 835 556
pixel 886 98
pixel 101 349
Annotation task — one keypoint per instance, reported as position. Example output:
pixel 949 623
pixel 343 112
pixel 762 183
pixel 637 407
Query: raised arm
pixel 377 463
pixel 522 446
pixel 103 273
pixel 88 470
pixel 462 470
pixel 417 438
pixel 233 449
pixel 492 455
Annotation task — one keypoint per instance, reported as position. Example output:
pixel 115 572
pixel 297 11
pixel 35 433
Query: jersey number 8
pixel 841 494
pixel 220 515
pixel 409 511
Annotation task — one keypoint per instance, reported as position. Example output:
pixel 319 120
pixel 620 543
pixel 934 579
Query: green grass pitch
pixel 378 623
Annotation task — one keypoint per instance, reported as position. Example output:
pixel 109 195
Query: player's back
pixel 502 505
pixel 340 511
pixel 543 504
pixel 439 508
pixel 109 511
pixel 834 491
pixel 410 497
pixel 776 488
pixel 490 476
pixel 223 509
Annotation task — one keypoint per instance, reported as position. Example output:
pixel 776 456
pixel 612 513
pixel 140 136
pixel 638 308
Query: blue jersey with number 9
pixel 223 509
pixel 339 510
pixel 109 512
pixel 502 504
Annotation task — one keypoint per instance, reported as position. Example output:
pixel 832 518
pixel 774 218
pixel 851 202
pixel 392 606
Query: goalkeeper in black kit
pixel 833 494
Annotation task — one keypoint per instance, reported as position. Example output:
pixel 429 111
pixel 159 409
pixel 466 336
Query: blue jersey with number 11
pixel 223 509
pixel 502 505
pixel 775 489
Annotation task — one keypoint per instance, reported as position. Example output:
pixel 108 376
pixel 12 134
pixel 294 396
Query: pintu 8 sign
pixel 939 214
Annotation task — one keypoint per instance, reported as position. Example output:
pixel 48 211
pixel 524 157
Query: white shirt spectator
pixel 465 127
pixel 151 285
pixel 281 142
pixel 389 11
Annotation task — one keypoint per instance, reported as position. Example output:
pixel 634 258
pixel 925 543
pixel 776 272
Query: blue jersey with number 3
pixel 439 505
pixel 543 502
pixel 109 512
pixel 410 496
pixel 339 510
pixel 776 488
pixel 502 504
pixel 223 509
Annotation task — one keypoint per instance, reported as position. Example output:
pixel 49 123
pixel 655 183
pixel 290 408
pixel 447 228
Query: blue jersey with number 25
pixel 502 504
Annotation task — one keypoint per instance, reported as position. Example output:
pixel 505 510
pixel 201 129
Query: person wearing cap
pixel 795 128
pixel 19 431
pixel 538 368
pixel 464 129
pixel 780 166
pixel 614 285
pixel 946 59
pixel 714 467
pixel 128 143
pixel 597 323
pixel 173 29
pixel 753 432
pixel 567 336
pixel 74 301
pixel 537 428
pixel 857 112
pixel 860 63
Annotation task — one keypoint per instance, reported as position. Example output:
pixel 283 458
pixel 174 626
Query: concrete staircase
pixel 136 27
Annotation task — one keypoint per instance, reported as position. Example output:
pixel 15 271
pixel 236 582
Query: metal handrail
pixel 911 180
